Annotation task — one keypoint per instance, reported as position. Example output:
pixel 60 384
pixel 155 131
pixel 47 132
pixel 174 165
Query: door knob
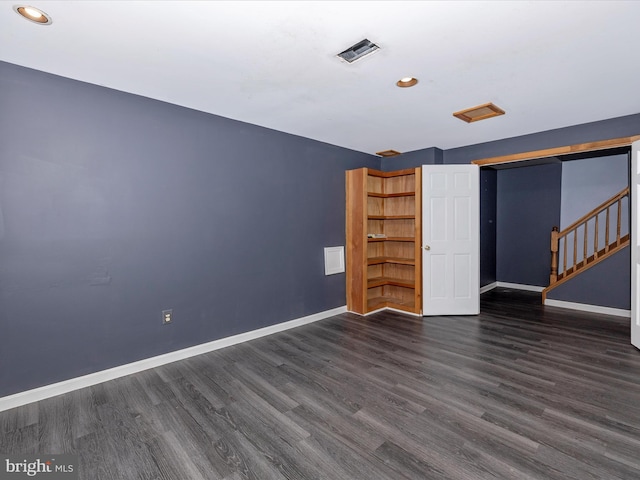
pixel 427 247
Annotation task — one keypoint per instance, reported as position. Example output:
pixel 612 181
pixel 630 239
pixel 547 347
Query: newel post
pixel 553 278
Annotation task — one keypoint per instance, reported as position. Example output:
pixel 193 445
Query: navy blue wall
pixel 607 284
pixel 426 156
pixel 528 207
pixel 488 222
pixel 587 132
pixel 115 207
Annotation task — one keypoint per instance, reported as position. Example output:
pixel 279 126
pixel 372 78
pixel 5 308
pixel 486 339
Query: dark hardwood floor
pixel 520 391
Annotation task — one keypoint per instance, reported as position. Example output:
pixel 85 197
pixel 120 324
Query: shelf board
pixel 391 217
pixel 401 261
pixel 381 302
pixel 399 282
pixel 392 239
pixel 398 173
pixel 391 195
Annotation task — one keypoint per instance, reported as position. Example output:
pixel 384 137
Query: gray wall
pixel 116 207
pixel 528 207
pixel 586 183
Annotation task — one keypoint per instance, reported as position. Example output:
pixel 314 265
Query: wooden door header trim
pixel 553 152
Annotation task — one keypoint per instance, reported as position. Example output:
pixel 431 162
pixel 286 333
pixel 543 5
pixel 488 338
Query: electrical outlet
pixel 167 316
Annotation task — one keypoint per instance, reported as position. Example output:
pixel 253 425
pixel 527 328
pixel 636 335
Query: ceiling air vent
pixel 388 153
pixel 481 112
pixel 357 51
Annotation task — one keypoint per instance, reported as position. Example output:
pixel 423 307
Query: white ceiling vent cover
pixel 359 50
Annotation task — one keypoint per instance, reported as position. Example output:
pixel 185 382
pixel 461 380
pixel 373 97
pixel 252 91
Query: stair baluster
pixel 590 256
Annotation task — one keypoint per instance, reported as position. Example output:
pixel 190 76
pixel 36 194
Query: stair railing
pixel 577 243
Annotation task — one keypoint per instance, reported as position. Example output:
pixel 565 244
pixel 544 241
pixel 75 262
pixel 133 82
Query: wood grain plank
pixel 563 150
pixel 521 391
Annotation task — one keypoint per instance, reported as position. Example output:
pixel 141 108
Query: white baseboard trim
pixel 369 313
pixel 585 307
pixel 488 287
pixel 402 311
pixel 386 308
pixel 520 286
pixel 48 391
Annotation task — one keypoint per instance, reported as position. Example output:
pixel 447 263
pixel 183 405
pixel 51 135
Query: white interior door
pixel 451 239
pixel 635 244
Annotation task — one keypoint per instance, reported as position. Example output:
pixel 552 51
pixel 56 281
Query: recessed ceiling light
pixel 481 112
pixel 407 82
pixel 33 14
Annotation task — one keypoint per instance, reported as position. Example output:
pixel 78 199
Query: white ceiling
pixel 548 64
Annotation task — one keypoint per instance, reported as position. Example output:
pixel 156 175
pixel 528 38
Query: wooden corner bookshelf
pixel 384 227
